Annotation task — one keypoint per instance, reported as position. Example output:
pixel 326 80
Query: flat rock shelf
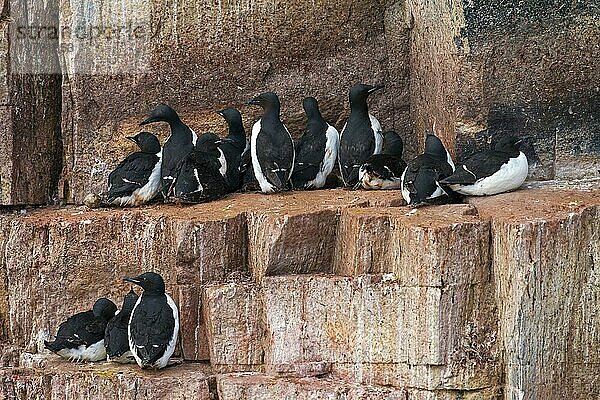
pixel 331 294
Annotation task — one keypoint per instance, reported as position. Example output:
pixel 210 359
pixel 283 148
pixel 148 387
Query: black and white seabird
pixel 232 146
pixel 154 323
pixel 502 169
pixel 178 145
pixel 271 146
pixel 361 136
pixel 384 171
pixel 81 336
pixel 199 176
pixel 316 150
pixel 421 178
pixel 116 340
pixel 136 180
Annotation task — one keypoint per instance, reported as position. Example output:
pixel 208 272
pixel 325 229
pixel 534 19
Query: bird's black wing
pixel 115 335
pixel 130 175
pixel 275 152
pixel 248 179
pixel 423 175
pixel 310 152
pixel 198 178
pixel 73 333
pixel 152 328
pixel 355 149
pixel 233 155
pixel 480 165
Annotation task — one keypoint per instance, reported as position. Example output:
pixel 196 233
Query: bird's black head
pixel 234 120
pixel 360 92
pixel 268 101
pixel 507 143
pixel 151 282
pixel 104 309
pixel 162 113
pixel 230 114
pixel 311 107
pixel 435 147
pixel 147 142
pixel 208 142
pixel 392 144
pixel 129 301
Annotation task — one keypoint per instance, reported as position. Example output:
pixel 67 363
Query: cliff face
pixel 321 295
pixel 470 67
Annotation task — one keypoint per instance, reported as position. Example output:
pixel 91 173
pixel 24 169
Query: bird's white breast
pixel 377 131
pixel 331 150
pixel 510 176
pixel 265 186
pixel 162 362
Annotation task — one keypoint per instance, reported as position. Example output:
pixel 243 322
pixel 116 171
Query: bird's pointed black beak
pixel 254 102
pixel 375 88
pixel 135 280
pixel 132 138
pixel 148 120
pixel 524 138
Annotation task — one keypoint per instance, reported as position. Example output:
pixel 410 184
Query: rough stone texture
pixel 493 299
pixel 57 262
pixel 359 323
pixel 475 85
pixel 30 81
pixel 431 246
pixel 310 235
pixel 265 387
pixel 547 290
pixel 105 381
pixel 234 317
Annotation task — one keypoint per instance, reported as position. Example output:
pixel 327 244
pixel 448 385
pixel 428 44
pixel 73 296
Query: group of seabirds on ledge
pixel 144 330
pixel 192 168
pixel 199 168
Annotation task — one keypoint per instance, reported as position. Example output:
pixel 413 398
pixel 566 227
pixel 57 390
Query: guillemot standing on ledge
pixel 361 136
pixel 316 150
pixel 421 178
pixel 136 180
pixel 178 145
pixel 501 169
pixel 154 323
pixel 272 148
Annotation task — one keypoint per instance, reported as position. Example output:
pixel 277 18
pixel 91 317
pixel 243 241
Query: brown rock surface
pixel 58 261
pixel 546 249
pixel 430 246
pixel 30 91
pixel 370 326
pixel 501 300
pixel 235 322
pixel 264 387
pixel 106 381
